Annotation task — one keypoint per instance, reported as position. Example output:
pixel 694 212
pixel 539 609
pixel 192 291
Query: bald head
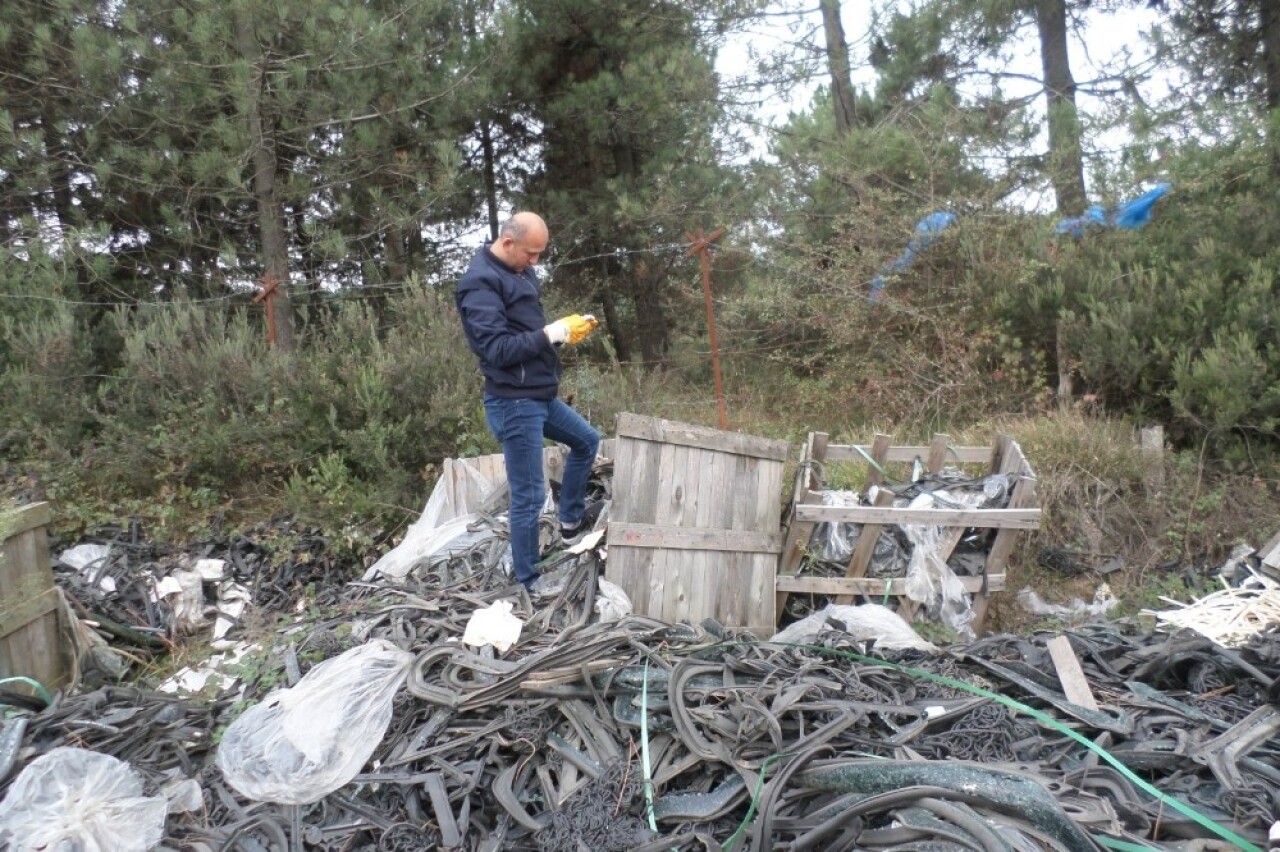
pixel 521 240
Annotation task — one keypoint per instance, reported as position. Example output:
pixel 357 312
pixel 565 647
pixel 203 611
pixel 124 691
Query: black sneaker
pixel 569 536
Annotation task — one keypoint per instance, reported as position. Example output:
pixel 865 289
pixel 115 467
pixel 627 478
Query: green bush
pixel 348 426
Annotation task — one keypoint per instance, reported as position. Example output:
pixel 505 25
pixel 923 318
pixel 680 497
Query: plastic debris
pixel 866 622
pixel 75 799
pixel 1131 215
pixel 928 231
pixel 495 625
pixel 612 603
pixel 300 744
pixel 930 580
pixel 1076 611
pixel 89 559
pixel 214 672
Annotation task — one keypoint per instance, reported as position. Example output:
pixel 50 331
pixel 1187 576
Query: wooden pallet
pixel 30 639
pixel 806 512
pixel 694 526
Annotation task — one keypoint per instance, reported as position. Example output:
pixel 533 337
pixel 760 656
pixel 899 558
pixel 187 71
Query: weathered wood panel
pixel 30 642
pixel 694 529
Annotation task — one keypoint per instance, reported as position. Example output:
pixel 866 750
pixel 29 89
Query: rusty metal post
pixel 267 293
pixel 701 246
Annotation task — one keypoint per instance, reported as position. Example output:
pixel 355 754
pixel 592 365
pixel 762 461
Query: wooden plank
pixel 1011 460
pixel 960 455
pixel 817 453
pixel 996 455
pixel 751 587
pixel 718 570
pixel 1023 495
pixel 871 585
pixel 866 546
pixel 671 432
pixel 1017 519
pixel 794 543
pixel 937 452
pixel 672 487
pixel 635 469
pixel 30 641
pixel 15 521
pixel 1074 684
pixel 693 538
pixel 1270 552
pixel 879 453
pixel 643 495
pixel 798 532
pixel 22 613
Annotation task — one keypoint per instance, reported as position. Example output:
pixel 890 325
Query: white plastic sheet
pixel 864 622
pixel 75 799
pixel 494 625
pixel 1077 610
pixel 88 559
pixel 300 744
pixel 457 495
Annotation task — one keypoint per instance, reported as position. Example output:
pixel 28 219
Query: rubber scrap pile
pixel 379 728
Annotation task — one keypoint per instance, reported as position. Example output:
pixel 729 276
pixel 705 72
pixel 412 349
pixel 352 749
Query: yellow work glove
pixel 571 329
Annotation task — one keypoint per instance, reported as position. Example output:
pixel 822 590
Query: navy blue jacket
pixel 501 312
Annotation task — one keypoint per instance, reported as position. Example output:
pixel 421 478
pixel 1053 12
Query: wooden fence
pixel 694 529
pixel 30 640
pixel 807 511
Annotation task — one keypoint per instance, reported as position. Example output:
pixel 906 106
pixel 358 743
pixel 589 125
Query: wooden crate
pixel 806 512
pixel 694 529
pixel 481 481
pixel 30 640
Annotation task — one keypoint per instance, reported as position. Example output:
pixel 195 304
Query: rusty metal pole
pixel 701 246
pixel 267 293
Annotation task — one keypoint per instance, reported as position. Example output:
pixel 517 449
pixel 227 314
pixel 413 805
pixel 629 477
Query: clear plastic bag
pixel 458 495
pixel 930 581
pixel 834 541
pixel 75 799
pixel 302 743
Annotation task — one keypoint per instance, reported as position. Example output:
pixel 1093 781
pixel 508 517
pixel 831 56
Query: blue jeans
pixel 521 424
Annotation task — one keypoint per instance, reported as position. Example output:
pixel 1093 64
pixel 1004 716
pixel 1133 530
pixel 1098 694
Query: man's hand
pixel 571 329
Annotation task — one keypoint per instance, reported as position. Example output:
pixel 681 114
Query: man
pixel 500 303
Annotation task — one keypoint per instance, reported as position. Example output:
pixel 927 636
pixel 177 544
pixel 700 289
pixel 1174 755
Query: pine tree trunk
pixel 1066 164
pixel 1270 25
pixel 838 65
pixel 275 254
pixel 621 349
pixel 490 179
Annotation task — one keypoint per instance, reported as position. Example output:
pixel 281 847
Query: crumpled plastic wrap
pixel 495 625
pixel 441 529
pixel 612 603
pixel 76 799
pixel 862 622
pixel 834 541
pixel 930 581
pixel 300 744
